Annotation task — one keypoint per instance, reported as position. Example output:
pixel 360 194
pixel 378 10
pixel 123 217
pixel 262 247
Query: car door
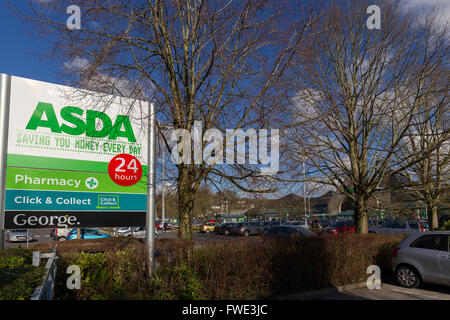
pixel 399 227
pixel 444 261
pixel 89 234
pixel 429 256
pixel 386 228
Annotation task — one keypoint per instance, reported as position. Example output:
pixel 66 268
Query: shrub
pixel 18 278
pixel 251 268
pixel 446 225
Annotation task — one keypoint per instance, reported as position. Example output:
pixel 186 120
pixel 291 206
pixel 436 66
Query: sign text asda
pixel 92 116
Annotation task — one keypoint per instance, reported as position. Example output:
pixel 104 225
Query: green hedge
pixel 252 268
pixel 18 278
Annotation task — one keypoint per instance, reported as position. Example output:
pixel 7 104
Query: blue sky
pixel 19 54
pixel 18 50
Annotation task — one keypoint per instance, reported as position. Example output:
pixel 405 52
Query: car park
pixel 423 258
pixel 324 222
pixel 397 227
pixel 224 228
pixel 288 231
pixel 87 233
pixel 208 227
pixel 296 223
pixel 59 233
pixel 340 226
pixel 123 232
pixel 141 233
pixel 425 225
pixel 268 224
pixel 248 228
pixel 18 235
pixel 374 223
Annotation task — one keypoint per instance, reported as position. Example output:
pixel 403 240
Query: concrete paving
pixel 390 291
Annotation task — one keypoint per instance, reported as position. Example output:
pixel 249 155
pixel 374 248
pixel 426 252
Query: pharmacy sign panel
pixel 61 143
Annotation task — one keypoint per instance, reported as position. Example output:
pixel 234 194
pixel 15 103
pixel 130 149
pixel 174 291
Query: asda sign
pixel 60 143
pixel 75 126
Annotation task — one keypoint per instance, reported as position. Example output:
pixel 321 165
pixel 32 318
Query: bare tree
pixel 208 61
pixel 429 178
pixel 356 95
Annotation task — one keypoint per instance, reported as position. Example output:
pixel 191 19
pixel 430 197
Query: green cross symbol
pixel 91 183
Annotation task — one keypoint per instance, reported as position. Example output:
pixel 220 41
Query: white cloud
pixel 443 5
pixel 76 64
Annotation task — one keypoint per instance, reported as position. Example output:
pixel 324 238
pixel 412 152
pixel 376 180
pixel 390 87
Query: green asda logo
pixel 120 128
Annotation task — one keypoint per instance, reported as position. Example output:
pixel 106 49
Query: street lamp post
pixel 163 207
pixel 151 194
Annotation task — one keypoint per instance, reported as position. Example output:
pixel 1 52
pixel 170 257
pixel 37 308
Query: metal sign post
pixel 163 206
pixel 5 89
pixel 151 184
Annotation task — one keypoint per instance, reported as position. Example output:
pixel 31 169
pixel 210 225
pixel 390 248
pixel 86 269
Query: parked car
pixel 87 233
pixel 374 223
pixel 123 232
pixel 141 233
pixel 58 233
pixel 17 235
pixel 224 228
pixel 423 258
pixel 268 224
pixel 425 225
pixel 340 226
pixel 248 228
pixel 296 223
pixel 197 223
pixel 398 227
pixel 288 231
pixel 208 227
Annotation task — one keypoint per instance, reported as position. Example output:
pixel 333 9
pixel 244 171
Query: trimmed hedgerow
pixel 18 278
pixel 255 268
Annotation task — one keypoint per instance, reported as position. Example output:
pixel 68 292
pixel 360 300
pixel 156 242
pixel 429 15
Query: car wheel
pixel 246 233
pixel 408 277
pixel 61 238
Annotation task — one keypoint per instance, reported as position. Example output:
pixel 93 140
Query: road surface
pixel 390 291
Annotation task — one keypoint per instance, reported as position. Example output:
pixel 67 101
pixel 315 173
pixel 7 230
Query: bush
pixel 252 268
pixel 18 278
pixel 446 225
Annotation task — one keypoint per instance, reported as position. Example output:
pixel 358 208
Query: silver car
pixel 141 233
pixel 19 235
pixel 122 232
pixel 423 257
pixel 398 227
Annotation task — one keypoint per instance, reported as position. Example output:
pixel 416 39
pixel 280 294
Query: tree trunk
pixel 186 195
pixel 433 217
pixel 185 208
pixel 361 216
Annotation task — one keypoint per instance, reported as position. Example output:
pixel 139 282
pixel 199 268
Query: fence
pixel 45 291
